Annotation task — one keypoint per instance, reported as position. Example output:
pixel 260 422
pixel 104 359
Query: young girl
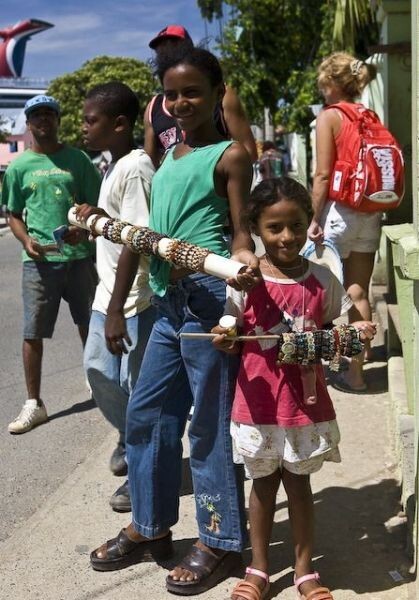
pixel 200 181
pixel 276 433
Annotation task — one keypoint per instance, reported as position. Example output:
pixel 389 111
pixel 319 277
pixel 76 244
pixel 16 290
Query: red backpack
pixel 369 175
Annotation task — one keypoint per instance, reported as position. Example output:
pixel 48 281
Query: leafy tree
pixel 271 48
pixel 264 42
pixel 71 90
pixel 210 9
pixel 4 130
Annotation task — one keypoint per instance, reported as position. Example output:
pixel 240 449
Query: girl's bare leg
pixel 262 503
pixel 301 513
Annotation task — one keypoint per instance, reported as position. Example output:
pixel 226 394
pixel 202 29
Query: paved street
pixel 33 465
pixel 56 484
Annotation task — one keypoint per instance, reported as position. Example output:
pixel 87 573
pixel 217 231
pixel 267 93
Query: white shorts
pixel 350 230
pixel 263 449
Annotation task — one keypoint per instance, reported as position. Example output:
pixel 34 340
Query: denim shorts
pixel 43 286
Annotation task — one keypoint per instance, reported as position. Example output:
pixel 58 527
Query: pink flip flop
pixel 320 593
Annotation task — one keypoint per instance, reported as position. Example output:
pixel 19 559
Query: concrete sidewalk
pixel 360 531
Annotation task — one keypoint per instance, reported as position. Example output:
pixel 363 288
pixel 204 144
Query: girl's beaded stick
pixel 146 241
pixel 304 347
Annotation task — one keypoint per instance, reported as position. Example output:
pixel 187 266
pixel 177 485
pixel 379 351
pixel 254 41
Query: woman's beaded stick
pixel 146 241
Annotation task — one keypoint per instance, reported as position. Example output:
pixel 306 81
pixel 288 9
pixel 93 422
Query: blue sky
pixel 84 29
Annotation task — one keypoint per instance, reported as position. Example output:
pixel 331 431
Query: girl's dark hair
pixel 115 99
pixel 271 191
pixel 199 58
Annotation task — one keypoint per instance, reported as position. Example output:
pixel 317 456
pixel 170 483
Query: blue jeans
pixel 157 414
pixel 112 377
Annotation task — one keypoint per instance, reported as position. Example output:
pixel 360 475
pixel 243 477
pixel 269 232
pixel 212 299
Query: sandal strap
pixel 120 545
pixel 258 573
pixel 310 577
pixel 247 590
pixel 200 562
pixel 321 593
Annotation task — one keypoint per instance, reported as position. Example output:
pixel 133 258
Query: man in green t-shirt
pixel 39 187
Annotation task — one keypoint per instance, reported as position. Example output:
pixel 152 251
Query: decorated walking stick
pixel 143 240
pixel 305 347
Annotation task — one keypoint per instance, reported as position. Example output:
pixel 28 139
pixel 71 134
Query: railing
pixel 23 82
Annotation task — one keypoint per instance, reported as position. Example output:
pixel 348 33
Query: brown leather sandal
pixel 122 552
pixel 208 568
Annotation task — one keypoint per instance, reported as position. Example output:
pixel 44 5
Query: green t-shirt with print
pixel 43 187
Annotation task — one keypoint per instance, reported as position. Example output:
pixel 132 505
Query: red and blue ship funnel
pixel 13 46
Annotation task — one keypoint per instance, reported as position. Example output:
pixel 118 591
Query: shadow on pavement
pixel 79 407
pixel 375 378
pixel 354 550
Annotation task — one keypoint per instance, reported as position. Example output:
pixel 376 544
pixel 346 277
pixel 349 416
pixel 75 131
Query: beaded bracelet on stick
pixel 145 241
pixel 310 347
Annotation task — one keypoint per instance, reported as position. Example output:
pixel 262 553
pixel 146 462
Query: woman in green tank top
pixel 201 180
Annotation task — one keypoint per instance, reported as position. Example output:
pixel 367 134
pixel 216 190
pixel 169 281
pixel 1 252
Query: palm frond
pixel 350 15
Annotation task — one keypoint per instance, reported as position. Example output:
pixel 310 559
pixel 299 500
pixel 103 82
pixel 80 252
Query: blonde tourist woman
pixel 355 234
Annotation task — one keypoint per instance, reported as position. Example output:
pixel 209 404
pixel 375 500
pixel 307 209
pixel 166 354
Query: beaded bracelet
pixel 334 364
pixel 130 234
pixel 105 231
pixel 117 228
pixel 288 348
pixel 310 347
pixel 140 241
pixel 92 225
pixel 171 248
pixel 152 242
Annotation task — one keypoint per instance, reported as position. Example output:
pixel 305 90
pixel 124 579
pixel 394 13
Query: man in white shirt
pixel 122 315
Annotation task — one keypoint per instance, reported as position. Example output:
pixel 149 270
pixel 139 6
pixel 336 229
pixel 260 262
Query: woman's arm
pixel 237 123
pixel 327 127
pixel 150 142
pixel 234 178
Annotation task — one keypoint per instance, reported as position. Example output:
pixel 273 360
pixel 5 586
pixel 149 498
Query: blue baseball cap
pixel 41 101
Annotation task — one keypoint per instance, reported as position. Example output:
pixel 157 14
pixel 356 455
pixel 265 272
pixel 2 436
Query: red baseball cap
pixel 171 31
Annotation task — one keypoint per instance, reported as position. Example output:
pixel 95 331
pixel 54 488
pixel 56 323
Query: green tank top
pixel 184 205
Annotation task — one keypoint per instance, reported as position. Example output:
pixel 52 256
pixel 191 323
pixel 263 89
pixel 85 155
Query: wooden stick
pixel 233 338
